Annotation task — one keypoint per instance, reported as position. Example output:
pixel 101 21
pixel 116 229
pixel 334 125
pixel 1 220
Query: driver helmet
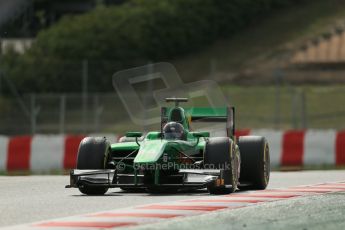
pixel 173 130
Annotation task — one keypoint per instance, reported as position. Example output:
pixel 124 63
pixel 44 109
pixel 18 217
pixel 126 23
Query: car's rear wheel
pixel 220 153
pixel 255 162
pixel 93 154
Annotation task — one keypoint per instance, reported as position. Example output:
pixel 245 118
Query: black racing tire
pixel 255 162
pixel 93 191
pixel 220 153
pixel 93 154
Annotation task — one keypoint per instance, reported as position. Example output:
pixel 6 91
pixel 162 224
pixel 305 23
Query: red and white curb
pixel 153 213
pixel 45 153
pixel 41 153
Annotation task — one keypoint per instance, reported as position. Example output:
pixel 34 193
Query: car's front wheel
pixel 93 154
pixel 221 153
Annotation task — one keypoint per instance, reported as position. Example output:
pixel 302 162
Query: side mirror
pixel 134 134
pixel 200 134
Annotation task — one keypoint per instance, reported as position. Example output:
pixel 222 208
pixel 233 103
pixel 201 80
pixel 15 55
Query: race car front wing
pixel 192 179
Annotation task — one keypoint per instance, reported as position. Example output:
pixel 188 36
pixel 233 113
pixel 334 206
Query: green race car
pixel 174 158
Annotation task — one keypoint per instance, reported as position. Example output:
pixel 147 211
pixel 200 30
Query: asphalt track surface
pixel 26 199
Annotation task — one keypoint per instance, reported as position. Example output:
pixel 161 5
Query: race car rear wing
pixel 206 114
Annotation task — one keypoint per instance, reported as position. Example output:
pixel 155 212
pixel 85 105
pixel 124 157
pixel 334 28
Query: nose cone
pixel 150 151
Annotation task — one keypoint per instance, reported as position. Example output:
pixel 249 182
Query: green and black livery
pixel 159 164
